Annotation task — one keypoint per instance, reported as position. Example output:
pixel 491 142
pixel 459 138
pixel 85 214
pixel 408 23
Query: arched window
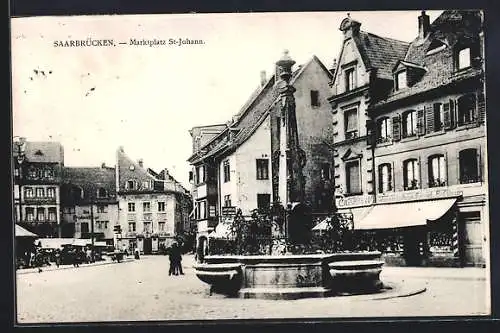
pixel 411 174
pixel 469 166
pixel 437 171
pixel 467 110
pixel 384 130
pixel 409 123
pixel 101 192
pixel 385 177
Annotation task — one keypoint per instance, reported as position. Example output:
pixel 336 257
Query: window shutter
pixel 481 108
pixel 380 181
pixel 429 117
pixel 396 128
pixel 453 113
pixel 421 122
pixel 447 116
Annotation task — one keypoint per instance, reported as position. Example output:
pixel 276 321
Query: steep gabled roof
pixel 251 117
pixel 380 53
pixel 89 179
pixel 41 151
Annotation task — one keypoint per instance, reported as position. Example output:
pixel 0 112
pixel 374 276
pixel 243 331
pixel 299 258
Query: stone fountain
pixel 283 275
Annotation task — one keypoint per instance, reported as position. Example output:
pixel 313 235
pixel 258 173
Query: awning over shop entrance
pixel 406 214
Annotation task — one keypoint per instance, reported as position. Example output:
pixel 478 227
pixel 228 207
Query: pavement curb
pixel 45 269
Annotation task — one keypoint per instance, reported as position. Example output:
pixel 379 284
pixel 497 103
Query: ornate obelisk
pixel 288 158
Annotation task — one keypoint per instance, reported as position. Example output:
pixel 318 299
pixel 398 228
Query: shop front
pixel 421 228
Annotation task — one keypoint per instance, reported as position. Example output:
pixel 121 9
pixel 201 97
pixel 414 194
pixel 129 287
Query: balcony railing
pixel 437 183
pixel 131 217
pixel 162 216
pixel 412 186
pixel 469 179
pixel 384 139
pixel 351 135
pixel 147 216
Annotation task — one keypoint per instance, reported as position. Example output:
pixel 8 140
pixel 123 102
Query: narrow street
pixel 141 290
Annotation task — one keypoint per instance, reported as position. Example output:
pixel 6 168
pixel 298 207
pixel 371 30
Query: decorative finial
pixel 349 15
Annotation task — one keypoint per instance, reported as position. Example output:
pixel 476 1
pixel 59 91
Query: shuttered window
pixel 469 166
pixel 353 177
pixel 384 130
pixel 421 121
pixel 467 110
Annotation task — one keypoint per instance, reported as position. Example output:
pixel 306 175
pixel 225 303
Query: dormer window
pixel 435 47
pixel 401 82
pixel 467 55
pixel 350 79
pixel 131 185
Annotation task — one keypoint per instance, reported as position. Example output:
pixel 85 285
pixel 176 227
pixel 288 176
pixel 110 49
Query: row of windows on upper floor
pixel 133 185
pixel 146 206
pixel 37 173
pixel 77 193
pixel 261 171
pixel 39 192
pixel 42 214
pixel 469 172
pixel 147 227
pixel 468 110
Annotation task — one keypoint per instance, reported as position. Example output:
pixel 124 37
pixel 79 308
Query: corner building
pixel 415 178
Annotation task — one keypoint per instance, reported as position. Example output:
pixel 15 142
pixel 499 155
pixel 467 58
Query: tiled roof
pixel 448 28
pixel 41 152
pixel 90 179
pixel 380 53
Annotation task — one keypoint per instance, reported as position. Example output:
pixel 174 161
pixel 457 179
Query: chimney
pixel 349 27
pixel 263 78
pixel 423 25
pixel 141 163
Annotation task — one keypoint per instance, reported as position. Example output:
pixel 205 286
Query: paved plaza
pixel 141 290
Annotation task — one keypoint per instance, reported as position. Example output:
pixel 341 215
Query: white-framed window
pixel 464 58
pixel 146 206
pixel 148 227
pixel 384 130
pixel 28 192
pixel 161 226
pixel 30 214
pixel 353 177
pixel 350 79
pixel 161 206
pixel 131 207
pixel 385 177
pixel 351 123
pixel 200 174
pixel 227 200
pixel 51 192
pixel 40 214
pixel 437 171
pixel 52 216
pixel 40 192
pixel 411 174
pixel 401 82
pixel 101 208
pixel 227 171
pixel 131 226
pixel 409 123
pixel 131 184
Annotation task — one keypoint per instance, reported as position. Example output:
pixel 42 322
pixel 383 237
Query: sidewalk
pixel 447 273
pixel 53 266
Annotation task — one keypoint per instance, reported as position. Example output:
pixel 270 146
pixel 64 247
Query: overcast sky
pixel 95 99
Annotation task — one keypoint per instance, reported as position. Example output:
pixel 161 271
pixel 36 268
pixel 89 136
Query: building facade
pixel 38 172
pixel 89 203
pixel 153 208
pixel 415 175
pixel 233 169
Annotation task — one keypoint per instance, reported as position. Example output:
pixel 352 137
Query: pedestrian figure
pixel 89 255
pixel 171 259
pixel 176 259
pixel 136 255
pixel 58 257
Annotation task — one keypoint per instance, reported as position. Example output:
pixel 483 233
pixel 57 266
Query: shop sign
pixel 424 194
pixel 354 201
pixel 228 211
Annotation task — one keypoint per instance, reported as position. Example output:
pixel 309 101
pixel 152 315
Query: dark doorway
pixel 414 246
pixel 148 245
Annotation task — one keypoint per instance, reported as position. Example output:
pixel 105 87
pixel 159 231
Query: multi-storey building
pixel 89 203
pixel 410 139
pixel 152 208
pixel 232 170
pixel 37 179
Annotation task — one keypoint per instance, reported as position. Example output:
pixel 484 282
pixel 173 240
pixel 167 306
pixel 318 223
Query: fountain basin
pixel 292 276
